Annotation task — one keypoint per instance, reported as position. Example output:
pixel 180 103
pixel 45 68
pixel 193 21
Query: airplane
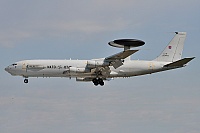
pixel 99 70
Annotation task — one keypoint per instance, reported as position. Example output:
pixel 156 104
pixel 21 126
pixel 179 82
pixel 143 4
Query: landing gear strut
pixel 25 81
pixel 98 81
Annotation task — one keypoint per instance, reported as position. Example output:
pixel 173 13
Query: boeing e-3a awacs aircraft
pixel 98 70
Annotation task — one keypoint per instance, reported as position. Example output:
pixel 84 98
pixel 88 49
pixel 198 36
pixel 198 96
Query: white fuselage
pixel 60 68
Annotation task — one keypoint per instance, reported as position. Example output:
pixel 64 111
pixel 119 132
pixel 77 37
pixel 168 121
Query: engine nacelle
pixel 78 70
pixel 93 63
pixel 83 79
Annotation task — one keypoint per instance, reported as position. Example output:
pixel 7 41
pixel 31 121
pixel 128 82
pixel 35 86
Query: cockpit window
pixel 14 64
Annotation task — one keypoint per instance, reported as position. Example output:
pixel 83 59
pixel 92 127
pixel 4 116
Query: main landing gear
pixel 26 81
pixel 98 81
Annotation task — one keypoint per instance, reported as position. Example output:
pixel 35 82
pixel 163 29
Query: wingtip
pixel 181 33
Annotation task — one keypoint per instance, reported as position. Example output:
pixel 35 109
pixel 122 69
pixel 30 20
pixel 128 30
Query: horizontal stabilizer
pixel 121 55
pixel 179 63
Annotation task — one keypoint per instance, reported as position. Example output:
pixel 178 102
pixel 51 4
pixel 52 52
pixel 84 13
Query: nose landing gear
pixel 98 81
pixel 26 81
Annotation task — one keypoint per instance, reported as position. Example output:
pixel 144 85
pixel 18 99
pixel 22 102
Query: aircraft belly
pixel 54 73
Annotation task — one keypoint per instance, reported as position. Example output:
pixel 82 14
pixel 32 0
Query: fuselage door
pixel 151 66
pixel 24 66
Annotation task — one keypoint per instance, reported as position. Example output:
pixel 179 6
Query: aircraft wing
pixel 116 59
pixel 121 55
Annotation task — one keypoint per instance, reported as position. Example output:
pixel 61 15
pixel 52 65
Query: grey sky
pixel 165 102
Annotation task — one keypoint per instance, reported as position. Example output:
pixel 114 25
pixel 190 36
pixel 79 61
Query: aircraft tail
pixel 173 51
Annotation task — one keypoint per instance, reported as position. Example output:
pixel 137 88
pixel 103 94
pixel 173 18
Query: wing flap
pixel 179 63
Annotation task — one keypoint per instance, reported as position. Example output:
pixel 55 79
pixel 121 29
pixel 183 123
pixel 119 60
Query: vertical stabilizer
pixel 173 51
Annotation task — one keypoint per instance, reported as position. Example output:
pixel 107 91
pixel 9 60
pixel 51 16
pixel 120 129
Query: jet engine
pixel 93 63
pixel 78 70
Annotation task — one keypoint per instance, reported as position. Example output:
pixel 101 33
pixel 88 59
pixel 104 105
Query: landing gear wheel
pixel 95 81
pixel 101 82
pixel 98 81
pixel 25 81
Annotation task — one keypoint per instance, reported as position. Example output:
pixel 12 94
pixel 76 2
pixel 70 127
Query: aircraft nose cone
pixel 9 70
pixel 6 69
